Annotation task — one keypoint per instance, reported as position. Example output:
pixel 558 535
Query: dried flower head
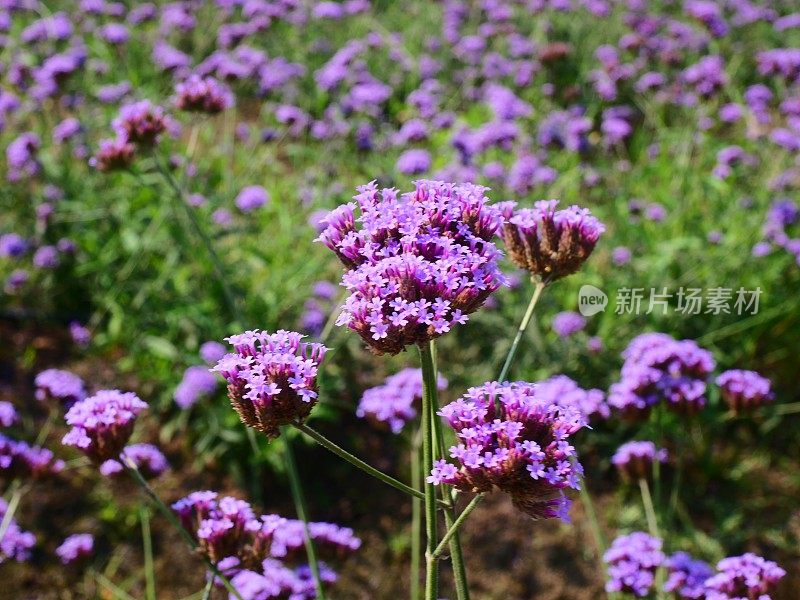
pixel 522 448
pixel 272 378
pixel 549 243
pixel 103 423
pixel 418 263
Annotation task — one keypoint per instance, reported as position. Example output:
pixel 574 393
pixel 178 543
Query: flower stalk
pixel 428 400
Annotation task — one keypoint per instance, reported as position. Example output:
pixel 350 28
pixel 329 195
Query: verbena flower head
pixel 393 402
pixel 251 198
pixel 522 449
pixel 549 243
pixel 744 390
pixel 632 562
pixel 418 262
pixel 686 576
pixel 568 323
pixel 13 245
pixel 197 383
pixel 75 548
pixel 103 423
pixel 744 577
pixel 212 351
pixel 634 460
pixel 563 391
pixel 272 378
pixel 142 123
pixel 330 539
pixel 113 155
pixel 149 460
pixel 60 386
pixel 22 461
pixel 203 94
pixel 16 544
pixel 276 580
pixel 8 414
pixel 658 367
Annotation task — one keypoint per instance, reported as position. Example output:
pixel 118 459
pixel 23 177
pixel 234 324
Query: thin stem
pixel 300 507
pixel 676 488
pixel 537 291
pixel 428 399
pixel 209 246
pixel 112 587
pixel 133 471
pixel 649 511
pixel 416 516
pixel 147 549
pixel 52 414
pixel 594 525
pixel 207 589
pixel 16 495
pixel 355 461
pixel 456 524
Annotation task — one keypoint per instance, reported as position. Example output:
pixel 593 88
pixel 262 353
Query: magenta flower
pixel 272 378
pixel 103 423
pixel 148 459
pixel 203 94
pixel 550 243
pixel 55 385
pixel 522 448
pixel 75 548
pixel 142 123
pixel 744 390
pixel 634 460
pixel 746 576
pixel 419 263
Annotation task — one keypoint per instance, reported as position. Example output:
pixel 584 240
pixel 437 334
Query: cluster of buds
pixel 549 243
pixel 513 439
pixel 102 424
pixel 272 378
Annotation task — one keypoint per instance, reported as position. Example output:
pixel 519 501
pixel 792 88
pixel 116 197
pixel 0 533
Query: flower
pixel 634 460
pixel 251 198
pixel 744 390
pixel 197 383
pixel 20 460
pixel 414 162
pixel 80 334
pixel 12 245
pixel 568 323
pixel 512 438
pixel 57 385
pixel 148 460
pixel 632 562
pixel 113 155
pixel 212 351
pixel 746 576
pixel 563 391
pixel 657 367
pixel 203 94
pixel 141 123
pixel 549 243
pixel 15 544
pixel 392 403
pixel 75 548
pixel 46 257
pixel 418 263
pixel 272 378
pixel 21 156
pixel 8 414
pixel 686 576
pixel 103 423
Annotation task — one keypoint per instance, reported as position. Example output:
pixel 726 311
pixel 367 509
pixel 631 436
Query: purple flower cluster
pixel 15 544
pixel 103 423
pixel 8 414
pixel 272 378
pixel 419 262
pixel 113 155
pixel 254 550
pixel 20 460
pixel 251 197
pixel 549 243
pixel 197 383
pixel 22 157
pixel 148 459
pixel 212 351
pixel 632 563
pixel 275 580
pixel 744 390
pixel 393 402
pixel 512 438
pixel 317 308
pixel 743 577
pixel 12 245
pixel 75 548
pixel 568 323
pixel 142 123
pixel 660 368
pixel 55 385
pixel 563 391
pixel 686 576
pixel 203 94
pixel 634 460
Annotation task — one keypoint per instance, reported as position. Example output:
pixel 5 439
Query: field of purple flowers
pixel 363 299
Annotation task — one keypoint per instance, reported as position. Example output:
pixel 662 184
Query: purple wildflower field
pixel 360 299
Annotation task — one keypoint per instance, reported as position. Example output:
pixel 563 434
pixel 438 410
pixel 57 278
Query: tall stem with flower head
pixel 431 532
pixel 526 319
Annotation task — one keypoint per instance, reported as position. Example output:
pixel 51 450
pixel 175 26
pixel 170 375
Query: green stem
pixel 453 530
pixel 133 471
pixel 16 495
pixel 206 241
pixel 537 291
pixel 594 525
pixel 207 589
pixel 428 399
pixel 147 549
pixel 416 517
pixel 355 461
pixel 649 510
pixel 300 507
